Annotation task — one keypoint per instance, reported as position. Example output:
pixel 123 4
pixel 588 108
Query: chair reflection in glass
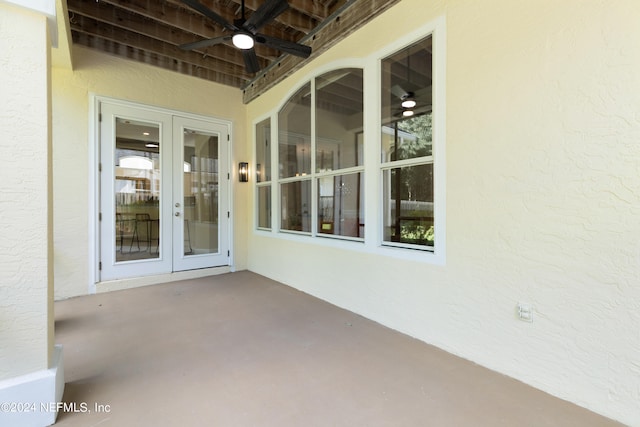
pixel 125 229
pixel 144 232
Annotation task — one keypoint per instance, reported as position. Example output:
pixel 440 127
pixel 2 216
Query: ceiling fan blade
pixel 292 48
pixel 204 43
pixel 398 91
pixel 196 5
pixel 251 60
pixel 268 11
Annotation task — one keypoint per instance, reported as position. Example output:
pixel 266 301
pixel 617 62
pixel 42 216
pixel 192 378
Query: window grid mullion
pixel 275 162
pixel 407 162
pixel 314 189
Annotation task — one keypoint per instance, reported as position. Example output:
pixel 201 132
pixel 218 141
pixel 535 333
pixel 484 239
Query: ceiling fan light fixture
pixel 244 32
pixel 409 102
pixel 242 41
pixel 407 113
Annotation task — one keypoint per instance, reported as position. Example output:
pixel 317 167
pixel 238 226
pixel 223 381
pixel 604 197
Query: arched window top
pixel 317 158
pixel 346 81
pixel 335 100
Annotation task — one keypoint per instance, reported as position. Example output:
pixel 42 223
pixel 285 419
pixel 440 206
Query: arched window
pixel 320 167
pixel 311 180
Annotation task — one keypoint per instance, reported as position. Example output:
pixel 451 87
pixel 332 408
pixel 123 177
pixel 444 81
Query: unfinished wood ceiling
pixel 150 31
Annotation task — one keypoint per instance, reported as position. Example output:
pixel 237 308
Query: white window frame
pixel 269 184
pixel 372 168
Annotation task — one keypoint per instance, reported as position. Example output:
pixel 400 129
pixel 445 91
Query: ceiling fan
pixel 408 100
pixel 244 32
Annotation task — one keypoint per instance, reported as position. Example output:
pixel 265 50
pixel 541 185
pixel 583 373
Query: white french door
pixel 164 192
pixel 200 187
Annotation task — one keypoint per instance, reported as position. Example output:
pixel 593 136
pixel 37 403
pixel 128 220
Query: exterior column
pixel 31 375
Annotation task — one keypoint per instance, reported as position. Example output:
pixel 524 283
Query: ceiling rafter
pixel 160 61
pixel 344 21
pixel 230 10
pixel 161 32
pixel 169 13
pixel 151 31
pixel 138 41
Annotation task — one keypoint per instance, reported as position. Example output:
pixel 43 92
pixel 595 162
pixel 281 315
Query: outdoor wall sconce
pixel 243 171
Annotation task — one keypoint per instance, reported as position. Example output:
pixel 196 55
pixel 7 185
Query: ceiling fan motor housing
pixel 245 32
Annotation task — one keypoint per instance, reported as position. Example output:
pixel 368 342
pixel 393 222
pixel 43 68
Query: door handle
pixel 177 213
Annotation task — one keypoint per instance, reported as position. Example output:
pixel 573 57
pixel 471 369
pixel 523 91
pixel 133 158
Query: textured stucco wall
pixel 105 75
pixel 25 270
pixel 542 200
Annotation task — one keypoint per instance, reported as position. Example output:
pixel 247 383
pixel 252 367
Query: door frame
pixel 95 284
pixel 182 262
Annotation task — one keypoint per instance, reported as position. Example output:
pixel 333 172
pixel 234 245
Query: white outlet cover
pixel 525 312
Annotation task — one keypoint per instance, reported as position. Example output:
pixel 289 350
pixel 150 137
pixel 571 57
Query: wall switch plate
pixel 525 312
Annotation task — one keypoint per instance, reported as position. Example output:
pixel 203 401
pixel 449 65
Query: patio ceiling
pixel 150 31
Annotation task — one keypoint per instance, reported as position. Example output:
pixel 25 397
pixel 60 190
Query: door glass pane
pixel 137 190
pixel 200 192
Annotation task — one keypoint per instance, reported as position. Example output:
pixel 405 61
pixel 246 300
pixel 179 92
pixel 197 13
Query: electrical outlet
pixel 525 312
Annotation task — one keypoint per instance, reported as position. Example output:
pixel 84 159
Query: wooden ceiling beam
pixel 154 59
pixel 310 9
pixel 136 23
pixel 317 9
pixel 127 18
pixel 353 15
pixel 165 12
pixel 294 18
pixel 172 22
pixel 150 31
pixel 138 41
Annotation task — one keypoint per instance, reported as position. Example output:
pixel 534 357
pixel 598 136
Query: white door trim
pixel 93 223
pixel 182 262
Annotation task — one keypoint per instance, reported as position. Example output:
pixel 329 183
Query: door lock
pixel 177 204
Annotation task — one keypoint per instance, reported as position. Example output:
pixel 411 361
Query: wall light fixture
pixel 243 172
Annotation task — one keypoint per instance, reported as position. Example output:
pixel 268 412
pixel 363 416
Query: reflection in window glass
pixel 263 151
pixel 137 190
pixel 408 205
pixel 340 204
pixel 294 136
pixel 264 207
pixel 313 197
pixel 295 205
pixel 339 118
pixel 263 173
pixel 407 140
pixel 407 102
pixel 201 192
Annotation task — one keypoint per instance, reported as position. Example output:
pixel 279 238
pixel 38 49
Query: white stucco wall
pixel 542 200
pixel 26 337
pixel 105 75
